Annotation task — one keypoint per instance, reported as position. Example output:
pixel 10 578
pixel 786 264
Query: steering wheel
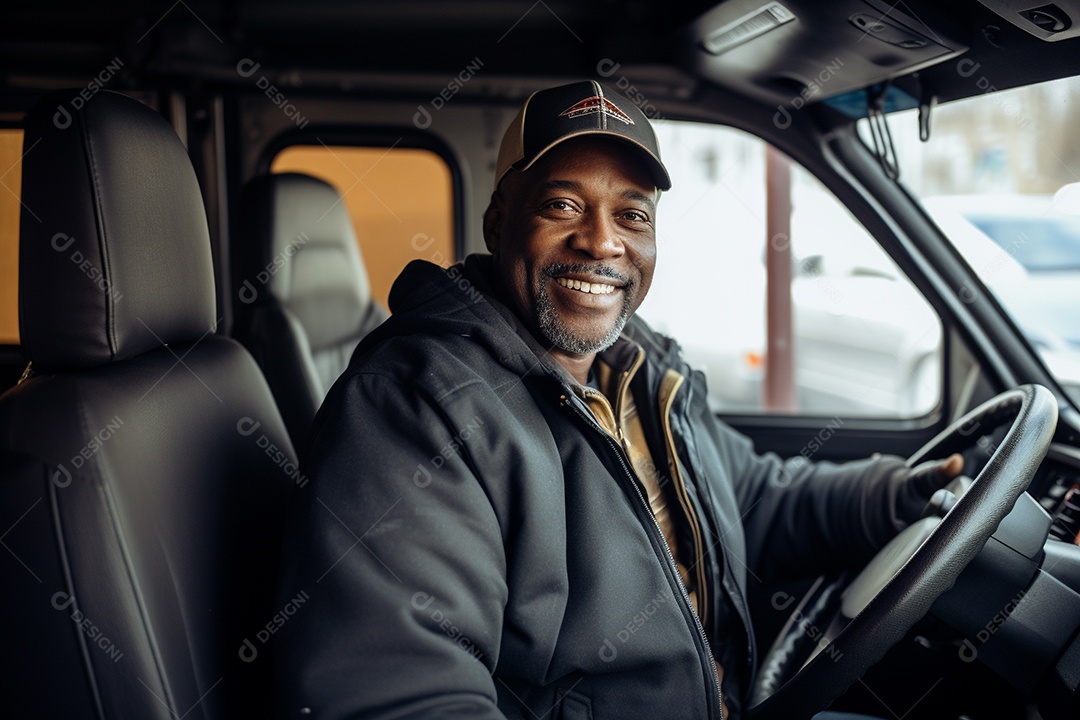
pixel 898 586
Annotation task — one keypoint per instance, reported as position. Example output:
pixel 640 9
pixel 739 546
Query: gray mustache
pixel 600 270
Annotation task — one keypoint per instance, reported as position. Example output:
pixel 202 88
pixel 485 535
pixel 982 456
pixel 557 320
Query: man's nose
pixel 598 236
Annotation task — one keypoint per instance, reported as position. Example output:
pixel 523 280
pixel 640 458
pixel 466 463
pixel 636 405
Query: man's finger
pixel 951 466
pixel 934 474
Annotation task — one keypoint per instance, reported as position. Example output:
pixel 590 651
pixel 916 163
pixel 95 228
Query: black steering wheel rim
pixel 934 567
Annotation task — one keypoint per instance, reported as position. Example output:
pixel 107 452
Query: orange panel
pixel 11 179
pixel 400 202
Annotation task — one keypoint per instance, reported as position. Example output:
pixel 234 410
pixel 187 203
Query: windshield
pixel 1000 176
pixel 1050 243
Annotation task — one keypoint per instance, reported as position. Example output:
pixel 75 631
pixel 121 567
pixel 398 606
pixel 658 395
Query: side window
pixel 10 199
pixel 863 342
pixel 400 201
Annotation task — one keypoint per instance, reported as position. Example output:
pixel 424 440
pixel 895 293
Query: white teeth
pixel 586 287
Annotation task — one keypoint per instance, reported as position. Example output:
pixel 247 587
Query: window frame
pixel 396 137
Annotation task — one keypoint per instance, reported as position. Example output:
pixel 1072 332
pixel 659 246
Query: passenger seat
pixel 144 468
pixel 304 299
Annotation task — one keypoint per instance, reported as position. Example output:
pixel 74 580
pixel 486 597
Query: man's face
pixel 574 240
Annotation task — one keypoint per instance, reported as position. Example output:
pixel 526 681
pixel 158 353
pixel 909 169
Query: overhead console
pixel 1051 22
pixel 791 52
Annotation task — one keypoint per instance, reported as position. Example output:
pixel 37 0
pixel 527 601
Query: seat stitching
pixel 136 593
pixel 65 564
pixel 110 324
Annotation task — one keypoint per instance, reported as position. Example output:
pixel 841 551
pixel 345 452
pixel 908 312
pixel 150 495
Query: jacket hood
pixel 462 300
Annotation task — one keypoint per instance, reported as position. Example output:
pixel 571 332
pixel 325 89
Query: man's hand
pixel 914 486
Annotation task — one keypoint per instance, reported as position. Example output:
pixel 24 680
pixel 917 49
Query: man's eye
pixel 558 205
pixel 636 216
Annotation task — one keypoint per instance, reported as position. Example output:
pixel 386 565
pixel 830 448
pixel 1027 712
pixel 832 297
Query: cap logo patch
pixel 594 105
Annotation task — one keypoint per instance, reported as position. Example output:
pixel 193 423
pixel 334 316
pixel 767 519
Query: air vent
pixel 747 28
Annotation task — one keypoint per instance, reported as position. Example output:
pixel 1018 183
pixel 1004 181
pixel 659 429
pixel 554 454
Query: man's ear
pixel 493 220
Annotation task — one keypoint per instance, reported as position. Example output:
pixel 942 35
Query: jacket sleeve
pixel 803 518
pixel 400 555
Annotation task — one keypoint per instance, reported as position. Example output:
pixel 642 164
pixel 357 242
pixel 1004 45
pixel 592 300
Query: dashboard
pixel 1056 486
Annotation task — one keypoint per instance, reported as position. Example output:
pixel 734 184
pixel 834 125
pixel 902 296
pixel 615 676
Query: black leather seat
pixel 304 296
pixel 144 468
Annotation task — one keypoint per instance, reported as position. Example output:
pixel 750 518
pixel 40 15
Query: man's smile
pixel 593 288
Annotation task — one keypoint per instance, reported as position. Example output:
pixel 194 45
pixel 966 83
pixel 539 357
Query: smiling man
pixel 580 245
pixel 521 505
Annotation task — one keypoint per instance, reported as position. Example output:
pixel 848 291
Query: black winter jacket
pixel 472 544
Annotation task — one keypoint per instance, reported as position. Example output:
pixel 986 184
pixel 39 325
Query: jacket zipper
pixel 717 693
pixel 684 500
pixel 676 473
pixel 737 605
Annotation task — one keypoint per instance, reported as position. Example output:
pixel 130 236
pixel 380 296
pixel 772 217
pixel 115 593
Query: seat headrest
pixel 114 251
pixel 300 249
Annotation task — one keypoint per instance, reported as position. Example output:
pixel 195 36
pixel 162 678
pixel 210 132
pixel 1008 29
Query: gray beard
pixel 559 335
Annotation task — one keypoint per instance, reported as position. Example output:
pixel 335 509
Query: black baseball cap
pixel 552 116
